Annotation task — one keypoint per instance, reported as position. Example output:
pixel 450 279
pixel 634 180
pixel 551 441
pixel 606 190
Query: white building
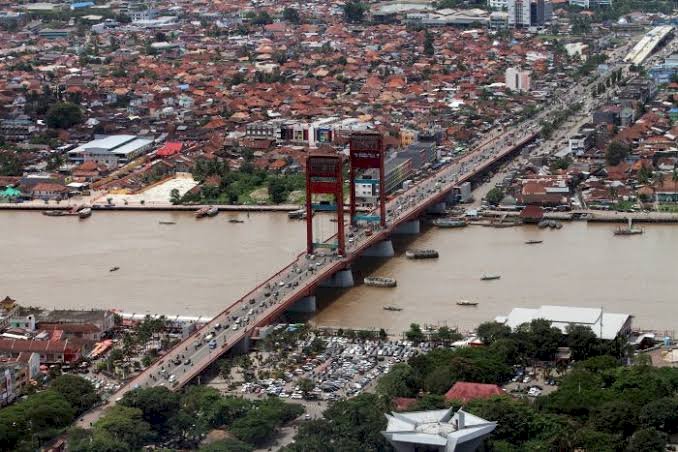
pixel 112 150
pixel 517 79
pixel 519 13
pixel 606 325
pixel 498 4
pixel 437 430
pixel 590 3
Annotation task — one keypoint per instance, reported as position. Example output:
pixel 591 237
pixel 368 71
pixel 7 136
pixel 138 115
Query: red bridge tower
pixel 367 152
pixel 324 176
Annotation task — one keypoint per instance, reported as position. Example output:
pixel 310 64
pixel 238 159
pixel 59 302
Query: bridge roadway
pixel 304 274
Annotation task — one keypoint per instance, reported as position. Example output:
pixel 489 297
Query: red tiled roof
pixel 170 148
pixel 465 391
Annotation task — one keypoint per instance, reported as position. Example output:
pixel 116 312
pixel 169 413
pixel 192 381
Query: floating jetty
pixel 421 254
pixel 380 281
pixel 449 223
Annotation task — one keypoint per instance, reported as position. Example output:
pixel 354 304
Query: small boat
pixel 166 222
pixel 543 224
pixel 380 281
pixel 421 254
pixel 628 230
pixel 209 211
pixel 467 303
pixel 489 277
pixel 85 212
pixel 54 213
pixel 533 242
pixel 449 223
pixel 114 269
pixel 235 220
pixel 298 214
pixel 392 308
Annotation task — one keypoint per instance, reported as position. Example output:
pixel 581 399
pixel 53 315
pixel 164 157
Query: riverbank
pixel 597 216
pixel 154 207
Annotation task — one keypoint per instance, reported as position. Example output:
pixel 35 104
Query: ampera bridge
pixel 326 262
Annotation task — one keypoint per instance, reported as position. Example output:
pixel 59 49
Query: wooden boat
pixel 167 222
pixel 235 220
pixel 85 212
pixel 489 277
pixel 533 242
pixel 114 269
pixel 380 281
pixel 54 213
pixel 209 211
pixel 628 230
pixel 392 308
pixel 298 214
pixel 467 303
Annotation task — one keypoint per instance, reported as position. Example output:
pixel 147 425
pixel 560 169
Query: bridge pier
pixel 341 279
pixel 411 227
pixel 452 198
pixel 437 208
pixel 381 249
pixel 305 305
pixel 242 346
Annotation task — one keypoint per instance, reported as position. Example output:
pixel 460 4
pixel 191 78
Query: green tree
pixel 80 440
pixel 489 332
pixel 63 115
pixel 262 18
pixel 494 196
pixel 354 11
pixel 661 414
pixel 157 405
pixel 616 153
pixel 445 335
pixel 647 440
pixel 428 44
pixel 291 15
pixel 126 425
pixel 277 190
pixel 616 416
pixel 10 165
pixel 227 445
pixel 415 334
pixel 582 341
pixel 305 386
pixel 175 196
pixel 77 391
pixel 398 382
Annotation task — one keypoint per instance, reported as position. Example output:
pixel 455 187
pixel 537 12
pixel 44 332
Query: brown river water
pixel 197 267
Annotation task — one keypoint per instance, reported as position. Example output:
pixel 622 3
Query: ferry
pixel 421 254
pixel 628 230
pixel 392 308
pixel 449 223
pixel 380 281
pixel 486 277
pixel 467 303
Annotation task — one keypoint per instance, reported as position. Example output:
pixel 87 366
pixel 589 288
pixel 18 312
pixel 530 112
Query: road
pixel 186 360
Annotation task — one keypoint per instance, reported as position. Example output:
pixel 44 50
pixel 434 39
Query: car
pixel 187 362
pixel 234 327
pixel 213 343
pixel 217 326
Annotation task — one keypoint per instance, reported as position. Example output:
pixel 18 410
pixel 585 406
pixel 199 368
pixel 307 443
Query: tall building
pixel 519 13
pixel 529 13
pixel 517 79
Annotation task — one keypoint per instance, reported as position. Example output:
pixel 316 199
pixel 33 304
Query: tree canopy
pixel 63 115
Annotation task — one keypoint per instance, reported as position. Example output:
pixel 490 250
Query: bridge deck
pixel 304 274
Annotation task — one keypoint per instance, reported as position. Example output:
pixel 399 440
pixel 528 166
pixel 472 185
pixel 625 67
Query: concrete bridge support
pixel 437 208
pixel 341 279
pixel 306 305
pixel 242 347
pixel 381 249
pixel 411 227
pixel 452 198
